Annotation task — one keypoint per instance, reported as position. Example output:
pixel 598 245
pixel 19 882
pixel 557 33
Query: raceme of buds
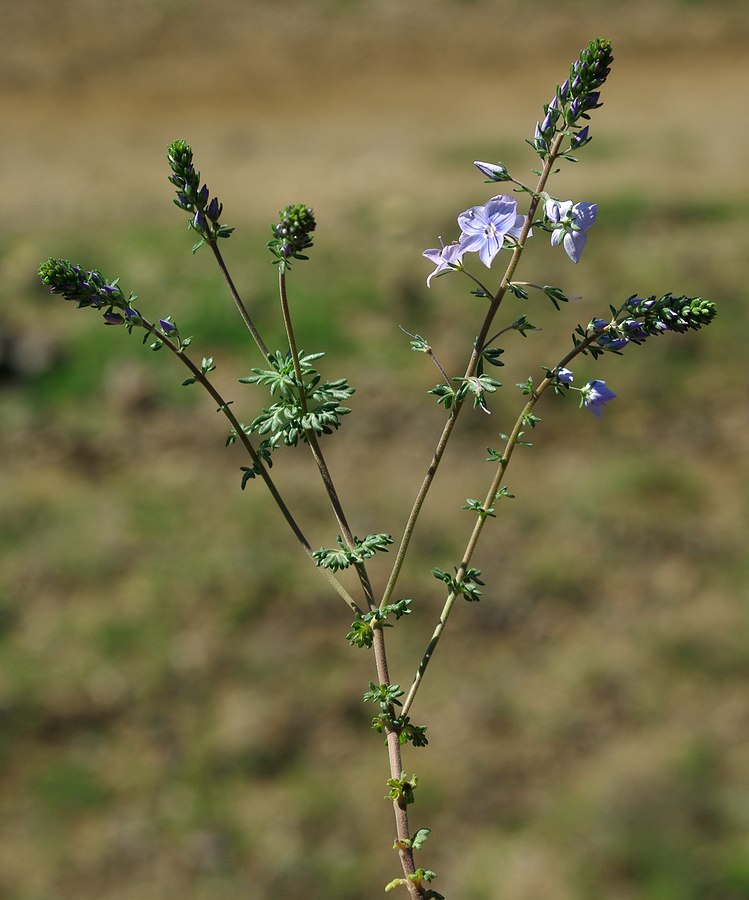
pixel 643 317
pixel 292 233
pixel 89 289
pixel 575 97
pixel 668 313
pixel 194 198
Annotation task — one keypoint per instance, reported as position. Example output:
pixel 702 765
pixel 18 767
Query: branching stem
pixel 470 371
pixel 491 496
pixel 225 407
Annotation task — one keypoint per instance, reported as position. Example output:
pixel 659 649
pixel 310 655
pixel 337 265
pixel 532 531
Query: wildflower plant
pixel 304 407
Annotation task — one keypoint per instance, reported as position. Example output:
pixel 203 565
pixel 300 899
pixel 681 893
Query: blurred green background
pixel 180 714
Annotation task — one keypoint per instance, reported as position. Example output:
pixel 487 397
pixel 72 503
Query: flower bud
pixel 492 172
pixel 581 138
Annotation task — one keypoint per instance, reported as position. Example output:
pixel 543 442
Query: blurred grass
pixel 179 710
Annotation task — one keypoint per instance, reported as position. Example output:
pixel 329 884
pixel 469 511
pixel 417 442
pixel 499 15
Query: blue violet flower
pixel 594 395
pixel 570 222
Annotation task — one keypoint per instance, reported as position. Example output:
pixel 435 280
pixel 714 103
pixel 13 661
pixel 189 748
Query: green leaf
pixel 517 291
pixel 419 839
pixel 444 394
pixel 476 507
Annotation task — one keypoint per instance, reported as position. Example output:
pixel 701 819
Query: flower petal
pixel 574 243
pixel 584 214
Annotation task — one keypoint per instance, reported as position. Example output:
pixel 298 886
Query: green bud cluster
pixel 90 289
pixel 575 97
pixel 292 233
pixel 193 198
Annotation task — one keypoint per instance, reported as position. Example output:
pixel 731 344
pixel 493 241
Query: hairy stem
pixel 478 346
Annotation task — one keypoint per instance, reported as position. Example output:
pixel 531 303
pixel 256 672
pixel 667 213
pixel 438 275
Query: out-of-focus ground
pixel 180 714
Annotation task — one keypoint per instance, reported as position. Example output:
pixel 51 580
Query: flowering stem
pixel 490 498
pixel 239 303
pixel 470 371
pixel 224 407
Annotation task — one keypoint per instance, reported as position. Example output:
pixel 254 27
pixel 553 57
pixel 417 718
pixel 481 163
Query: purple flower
pixel 446 258
pixel 565 376
pixel 112 318
pixel 484 227
pixel 492 172
pixel 594 395
pixel 570 222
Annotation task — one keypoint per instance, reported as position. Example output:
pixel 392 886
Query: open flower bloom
pixel 483 228
pixel 446 258
pixel 570 222
pixel 594 395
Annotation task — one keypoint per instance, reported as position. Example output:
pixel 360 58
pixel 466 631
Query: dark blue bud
pixel 199 223
pixel 203 195
pixel 612 343
pixel 214 210
pixel 167 327
pixel 581 137
pixel 113 318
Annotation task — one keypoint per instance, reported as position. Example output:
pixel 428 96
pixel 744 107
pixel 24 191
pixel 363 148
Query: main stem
pixel 470 371
pixel 378 637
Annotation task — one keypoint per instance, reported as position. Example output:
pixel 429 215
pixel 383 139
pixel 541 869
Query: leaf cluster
pixel 467 585
pixel 362 628
pixel 286 421
pixel 343 556
pixel 477 385
pixel 402 790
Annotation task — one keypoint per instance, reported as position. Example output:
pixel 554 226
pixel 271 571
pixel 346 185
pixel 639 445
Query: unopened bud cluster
pixel 89 289
pixel 645 317
pixel 293 233
pixel 193 197
pixel 575 97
